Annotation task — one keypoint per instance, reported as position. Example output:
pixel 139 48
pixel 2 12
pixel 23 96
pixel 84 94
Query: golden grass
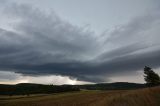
pixel 140 97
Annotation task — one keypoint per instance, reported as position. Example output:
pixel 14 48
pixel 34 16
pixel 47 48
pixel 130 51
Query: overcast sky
pixel 77 42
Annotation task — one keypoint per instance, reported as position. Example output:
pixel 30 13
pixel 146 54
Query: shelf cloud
pixel 35 42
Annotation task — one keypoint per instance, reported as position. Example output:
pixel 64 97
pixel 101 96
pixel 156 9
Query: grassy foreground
pixel 140 97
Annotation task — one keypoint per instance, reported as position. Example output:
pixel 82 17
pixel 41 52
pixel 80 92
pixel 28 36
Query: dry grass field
pixel 140 97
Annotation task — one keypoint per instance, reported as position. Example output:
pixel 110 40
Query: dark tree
pixel 151 78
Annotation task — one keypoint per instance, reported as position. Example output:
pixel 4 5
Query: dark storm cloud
pixel 49 35
pixel 40 43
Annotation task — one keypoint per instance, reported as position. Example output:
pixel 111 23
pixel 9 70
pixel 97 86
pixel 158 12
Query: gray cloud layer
pixel 39 43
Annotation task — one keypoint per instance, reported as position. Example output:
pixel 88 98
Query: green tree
pixel 151 78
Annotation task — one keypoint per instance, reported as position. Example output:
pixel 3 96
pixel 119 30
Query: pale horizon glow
pixel 60 80
pixel 43 79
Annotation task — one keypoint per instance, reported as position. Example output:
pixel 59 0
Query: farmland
pixel 137 97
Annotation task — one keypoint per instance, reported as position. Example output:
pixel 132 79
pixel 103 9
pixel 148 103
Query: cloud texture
pixel 35 42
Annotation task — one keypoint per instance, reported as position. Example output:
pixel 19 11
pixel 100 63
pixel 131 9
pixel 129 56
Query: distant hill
pixel 112 86
pixel 29 88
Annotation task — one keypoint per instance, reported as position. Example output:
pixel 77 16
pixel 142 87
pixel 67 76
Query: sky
pixel 78 42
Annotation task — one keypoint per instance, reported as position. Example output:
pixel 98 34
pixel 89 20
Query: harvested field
pixel 140 97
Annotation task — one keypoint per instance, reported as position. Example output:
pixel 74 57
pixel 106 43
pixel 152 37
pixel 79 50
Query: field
pixel 139 97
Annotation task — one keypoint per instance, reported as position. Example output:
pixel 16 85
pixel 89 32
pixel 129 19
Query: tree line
pixel 151 78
